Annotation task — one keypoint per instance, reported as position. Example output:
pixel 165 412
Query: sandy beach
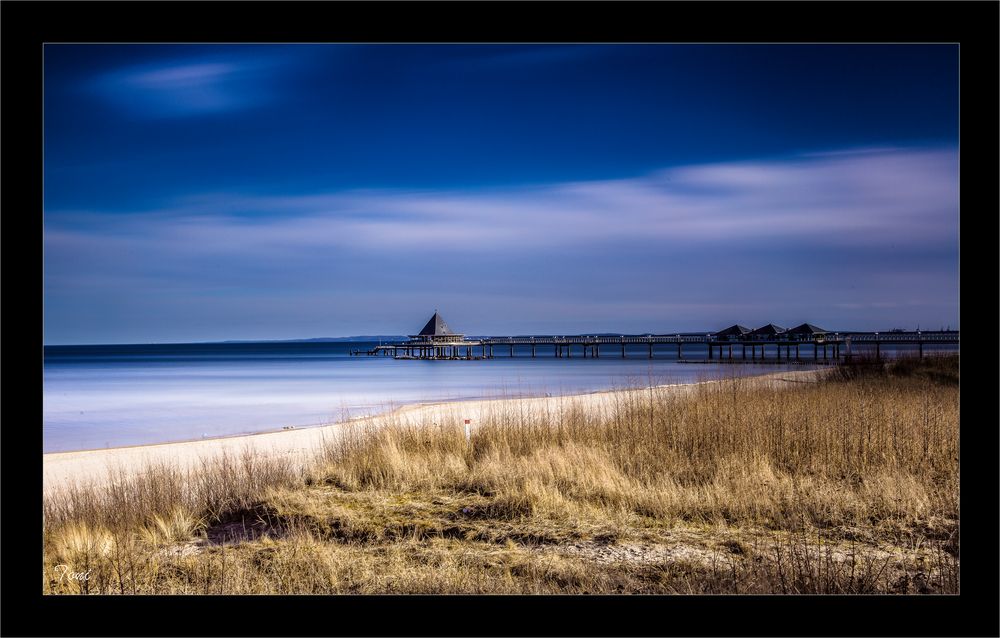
pixel 300 444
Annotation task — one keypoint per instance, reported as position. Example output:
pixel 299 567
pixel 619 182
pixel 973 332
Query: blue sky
pixel 199 193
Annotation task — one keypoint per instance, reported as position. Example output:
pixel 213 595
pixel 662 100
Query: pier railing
pixel 903 337
pixel 577 339
pixel 837 342
pixel 856 337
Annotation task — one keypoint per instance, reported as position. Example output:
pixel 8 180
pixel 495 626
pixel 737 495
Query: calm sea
pixel 110 396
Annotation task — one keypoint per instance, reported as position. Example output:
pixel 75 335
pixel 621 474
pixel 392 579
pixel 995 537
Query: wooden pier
pixel 764 344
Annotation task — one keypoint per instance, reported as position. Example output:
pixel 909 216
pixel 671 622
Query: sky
pixel 214 192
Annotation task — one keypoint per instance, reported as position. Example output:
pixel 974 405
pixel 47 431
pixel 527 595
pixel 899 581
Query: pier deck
pixel 833 345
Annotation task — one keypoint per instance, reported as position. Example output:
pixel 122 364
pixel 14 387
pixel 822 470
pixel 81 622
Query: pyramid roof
pixel 436 327
pixel 769 329
pixel 735 329
pixel 807 328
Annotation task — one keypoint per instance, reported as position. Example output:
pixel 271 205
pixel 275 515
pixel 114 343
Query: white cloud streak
pixel 897 197
pixel 184 88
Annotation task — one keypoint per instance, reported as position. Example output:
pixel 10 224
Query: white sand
pixel 62 468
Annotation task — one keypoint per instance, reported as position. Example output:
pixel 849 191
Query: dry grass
pixel 848 486
pixel 117 530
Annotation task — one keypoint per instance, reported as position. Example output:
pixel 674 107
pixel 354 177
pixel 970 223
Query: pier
pixel 735 344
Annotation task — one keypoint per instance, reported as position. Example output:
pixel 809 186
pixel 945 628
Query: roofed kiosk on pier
pixel 437 331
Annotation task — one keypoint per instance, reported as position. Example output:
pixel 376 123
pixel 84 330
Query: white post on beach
pixel 468 431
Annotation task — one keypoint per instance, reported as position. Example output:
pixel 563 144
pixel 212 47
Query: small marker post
pixel 468 430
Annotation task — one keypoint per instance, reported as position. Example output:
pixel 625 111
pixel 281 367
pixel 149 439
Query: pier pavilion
pixel 437 341
pixel 770 332
pixel 806 332
pixel 735 332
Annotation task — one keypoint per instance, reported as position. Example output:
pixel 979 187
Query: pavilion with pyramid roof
pixel 436 331
pixel 435 341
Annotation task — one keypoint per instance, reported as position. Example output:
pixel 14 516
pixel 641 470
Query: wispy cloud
pixel 895 196
pixel 190 86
